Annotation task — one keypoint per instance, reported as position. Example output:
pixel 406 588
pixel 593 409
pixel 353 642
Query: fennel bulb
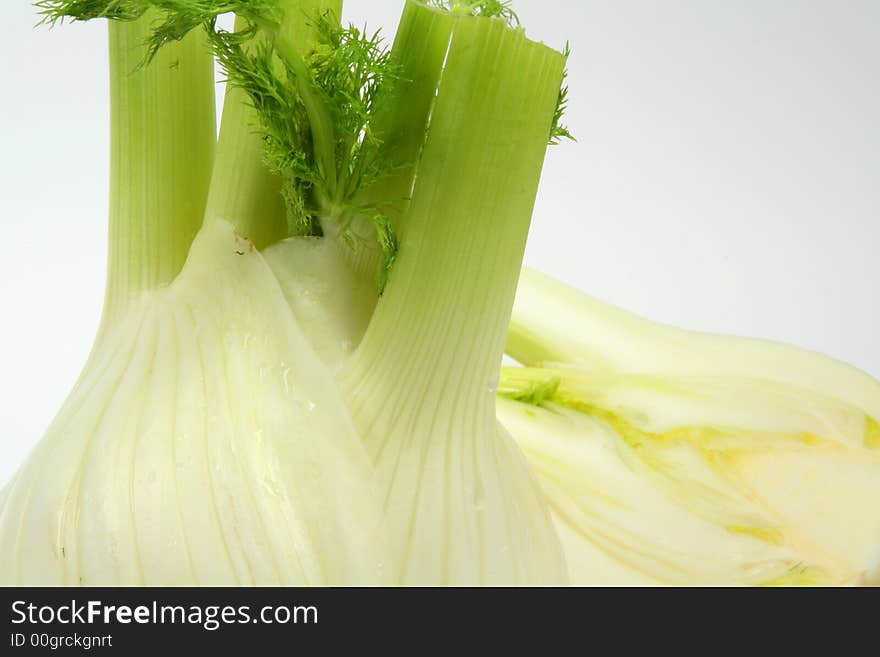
pixel 206 423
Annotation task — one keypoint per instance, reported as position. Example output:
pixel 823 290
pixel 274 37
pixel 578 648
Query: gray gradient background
pixel 727 178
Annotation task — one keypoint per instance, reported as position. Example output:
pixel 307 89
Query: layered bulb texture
pixel 204 444
pixel 297 378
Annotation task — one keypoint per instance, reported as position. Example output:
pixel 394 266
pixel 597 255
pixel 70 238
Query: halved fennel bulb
pixel 554 324
pixel 676 458
pixel 204 443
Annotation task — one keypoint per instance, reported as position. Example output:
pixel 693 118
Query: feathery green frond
pixel 284 121
pixel 57 11
pixel 388 242
pixel 174 18
pixel 350 67
pixel 342 77
pixel 558 131
pixel 179 17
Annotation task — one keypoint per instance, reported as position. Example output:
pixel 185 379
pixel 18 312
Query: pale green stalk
pixel 162 134
pixel 452 290
pixel 462 506
pixel 243 191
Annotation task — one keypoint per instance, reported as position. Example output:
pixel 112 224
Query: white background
pixel 726 178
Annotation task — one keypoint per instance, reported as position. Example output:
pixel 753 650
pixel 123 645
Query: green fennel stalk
pixel 162 147
pixel 421 383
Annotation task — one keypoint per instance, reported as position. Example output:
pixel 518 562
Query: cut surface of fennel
pixel 203 444
pixel 554 324
pixel 670 457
